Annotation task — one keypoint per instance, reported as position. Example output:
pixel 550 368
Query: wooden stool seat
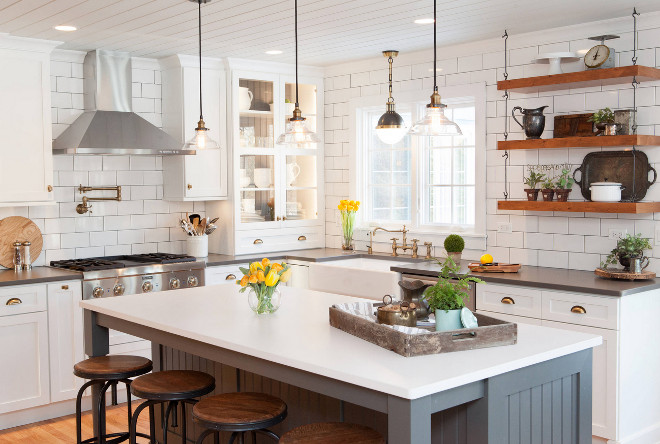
pixel 112 367
pixel 241 411
pixel 173 385
pixel 332 433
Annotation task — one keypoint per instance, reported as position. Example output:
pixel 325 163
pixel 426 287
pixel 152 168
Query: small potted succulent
pixel 603 120
pixel 564 183
pixel 548 189
pixel 628 248
pixel 532 182
pixel 447 297
pixel 454 245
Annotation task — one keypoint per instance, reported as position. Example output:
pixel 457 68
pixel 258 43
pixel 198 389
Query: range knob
pixel 192 281
pixel 97 292
pixel 147 286
pixel 118 290
pixel 175 283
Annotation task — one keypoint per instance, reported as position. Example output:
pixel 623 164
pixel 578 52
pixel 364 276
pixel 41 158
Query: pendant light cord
pixel 201 114
pixel 435 47
pixel 296 34
pixel 391 60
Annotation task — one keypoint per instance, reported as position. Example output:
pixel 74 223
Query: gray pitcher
pixel 533 122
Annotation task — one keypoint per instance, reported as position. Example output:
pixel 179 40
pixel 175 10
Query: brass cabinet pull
pixel 278 218
pixel 283 217
pixel 190 186
pixel 507 300
pixel 50 188
pixel 14 301
pixel 65 287
pixel 578 309
pixel 258 241
pixel 302 238
pixel 230 277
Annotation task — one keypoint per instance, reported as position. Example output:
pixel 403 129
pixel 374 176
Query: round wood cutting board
pixel 19 228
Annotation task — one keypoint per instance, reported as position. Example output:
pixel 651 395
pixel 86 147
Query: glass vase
pixel 265 301
pixel 347 225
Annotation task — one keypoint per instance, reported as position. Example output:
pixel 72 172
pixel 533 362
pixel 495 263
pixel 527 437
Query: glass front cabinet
pixel 277 189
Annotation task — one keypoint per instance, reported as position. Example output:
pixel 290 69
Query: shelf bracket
pixel 505 36
pixel 635 14
pixel 635 84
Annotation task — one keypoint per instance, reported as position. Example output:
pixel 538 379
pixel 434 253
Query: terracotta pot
pixel 532 193
pixel 548 194
pixel 456 257
pixel 562 194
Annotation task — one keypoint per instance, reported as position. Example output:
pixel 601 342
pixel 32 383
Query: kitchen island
pixel 539 387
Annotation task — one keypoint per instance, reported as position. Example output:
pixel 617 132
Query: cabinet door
pixel 65 337
pixel 24 368
pixel 605 378
pixel 25 128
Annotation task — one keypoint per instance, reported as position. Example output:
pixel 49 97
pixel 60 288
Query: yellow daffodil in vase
pixel 262 279
pixel 347 209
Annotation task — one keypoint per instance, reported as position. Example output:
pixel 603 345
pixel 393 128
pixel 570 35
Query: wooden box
pixel 490 333
pixel 573 125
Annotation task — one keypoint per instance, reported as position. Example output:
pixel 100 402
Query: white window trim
pixel 356 170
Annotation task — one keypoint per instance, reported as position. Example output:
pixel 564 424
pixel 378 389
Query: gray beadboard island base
pixel 545 402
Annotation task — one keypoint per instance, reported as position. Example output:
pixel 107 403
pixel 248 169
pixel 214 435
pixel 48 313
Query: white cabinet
pixel 299 276
pixel 223 274
pixel 65 337
pixel 519 301
pixel 25 122
pixel 24 368
pixel 203 176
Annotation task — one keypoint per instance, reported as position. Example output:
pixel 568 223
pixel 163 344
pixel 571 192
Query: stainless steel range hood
pixel 109 125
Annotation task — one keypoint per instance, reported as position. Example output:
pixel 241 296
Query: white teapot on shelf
pixel 245 97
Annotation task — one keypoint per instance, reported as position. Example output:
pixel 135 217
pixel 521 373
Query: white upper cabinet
pixel 204 175
pixel 25 122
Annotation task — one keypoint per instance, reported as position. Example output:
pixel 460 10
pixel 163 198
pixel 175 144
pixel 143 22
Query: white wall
pixel 142 222
pixel 563 240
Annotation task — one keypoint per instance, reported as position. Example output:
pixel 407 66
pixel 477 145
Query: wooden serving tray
pixel 491 333
pixel 625 275
pixel 499 268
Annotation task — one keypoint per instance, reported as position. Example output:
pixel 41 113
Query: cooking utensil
pixel 210 229
pixel 194 216
pixel 19 228
pixel 606 191
pixel 616 166
pixel 402 314
pixel 214 220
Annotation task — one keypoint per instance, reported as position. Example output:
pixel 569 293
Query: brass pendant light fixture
pixel 297 134
pixel 201 139
pixel 391 128
pixel 435 123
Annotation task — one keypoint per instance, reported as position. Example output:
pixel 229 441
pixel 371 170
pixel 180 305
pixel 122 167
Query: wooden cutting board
pixel 499 268
pixel 19 228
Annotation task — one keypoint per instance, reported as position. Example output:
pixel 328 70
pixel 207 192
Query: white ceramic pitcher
pixel 292 172
pixel 245 97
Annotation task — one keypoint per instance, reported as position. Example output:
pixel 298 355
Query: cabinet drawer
pixel 519 301
pixel 266 241
pixel 511 318
pixel 223 274
pixel 581 309
pixel 22 299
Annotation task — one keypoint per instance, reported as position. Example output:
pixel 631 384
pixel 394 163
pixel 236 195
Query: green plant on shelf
pixel 628 247
pixel 451 290
pixel 533 179
pixel 548 183
pixel 604 115
pixel 565 180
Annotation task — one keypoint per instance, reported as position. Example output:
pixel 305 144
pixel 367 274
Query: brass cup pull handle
pixel 507 300
pixel 65 287
pixel 14 301
pixel 258 241
pixel 230 277
pixel 578 309
pixel 190 186
pixel 302 238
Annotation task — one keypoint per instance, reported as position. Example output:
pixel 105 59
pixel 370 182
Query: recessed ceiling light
pixel 274 52
pixel 66 28
pixel 424 21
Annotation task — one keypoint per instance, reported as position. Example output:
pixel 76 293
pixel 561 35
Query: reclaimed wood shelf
pixel 579 142
pixel 581 206
pixel 582 79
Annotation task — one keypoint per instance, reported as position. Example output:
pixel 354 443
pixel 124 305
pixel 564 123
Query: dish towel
pixel 365 310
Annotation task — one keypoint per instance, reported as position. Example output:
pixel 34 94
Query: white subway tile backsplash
pixel 87 163
pixel 553 224
pixel 568 242
pixel 553 259
pixel 127 237
pixel 74 240
pixel 102 238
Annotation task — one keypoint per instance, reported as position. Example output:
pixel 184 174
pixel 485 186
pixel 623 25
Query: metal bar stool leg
pixel 269 433
pixel 216 438
pixel 127 382
pixel 134 419
pixel 114 393
pixel 204 434
pixel 233 437
pixel 170 405
pixel 101 413
pixel 184 432
pixel 79 407
pixel 152 423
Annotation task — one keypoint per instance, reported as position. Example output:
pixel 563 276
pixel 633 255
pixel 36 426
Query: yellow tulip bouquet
pixel 348 208
pixel 262 279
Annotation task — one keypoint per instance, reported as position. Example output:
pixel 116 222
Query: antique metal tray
pixel 616 166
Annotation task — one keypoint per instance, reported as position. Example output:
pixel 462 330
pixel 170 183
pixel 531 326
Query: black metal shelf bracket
pixel 505 36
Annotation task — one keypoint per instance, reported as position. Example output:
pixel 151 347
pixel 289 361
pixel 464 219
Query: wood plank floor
pixel 63 430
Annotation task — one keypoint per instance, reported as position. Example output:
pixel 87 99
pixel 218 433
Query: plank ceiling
pixel 331 31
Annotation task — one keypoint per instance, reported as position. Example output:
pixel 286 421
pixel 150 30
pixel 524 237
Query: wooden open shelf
pixel 579 142
pixel 581 79
pixel 581 206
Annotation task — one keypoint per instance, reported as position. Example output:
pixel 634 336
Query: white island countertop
pixel 299 335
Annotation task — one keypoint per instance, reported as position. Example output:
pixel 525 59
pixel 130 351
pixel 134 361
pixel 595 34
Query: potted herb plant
pixel 564 184
pixel 603 120
pixel 532 182
pixel 447 297
pixel 627 248
pixel 454 245
pixel 548 189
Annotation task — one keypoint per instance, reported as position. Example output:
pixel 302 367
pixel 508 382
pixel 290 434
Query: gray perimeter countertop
pixel 36 276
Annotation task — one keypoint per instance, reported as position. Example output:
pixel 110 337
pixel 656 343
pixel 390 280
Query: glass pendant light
pixel 201 139
pixel 435 123
pixel 391 128
pixel 297 133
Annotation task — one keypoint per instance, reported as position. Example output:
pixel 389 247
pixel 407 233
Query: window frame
pixel 357 171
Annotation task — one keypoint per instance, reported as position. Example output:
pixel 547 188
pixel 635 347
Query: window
pixel 426 183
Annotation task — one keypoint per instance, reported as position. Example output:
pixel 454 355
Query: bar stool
pixel 108 371
pixel 239 413
pixel 332 433
pixel 174 387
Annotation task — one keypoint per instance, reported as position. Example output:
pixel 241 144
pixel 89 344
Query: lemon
pixel 486 259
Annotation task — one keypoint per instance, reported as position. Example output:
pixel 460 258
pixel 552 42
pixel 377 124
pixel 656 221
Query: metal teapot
pixel 533 122
pixel 413 293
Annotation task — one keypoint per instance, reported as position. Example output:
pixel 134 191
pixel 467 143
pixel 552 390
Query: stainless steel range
pixel 137 273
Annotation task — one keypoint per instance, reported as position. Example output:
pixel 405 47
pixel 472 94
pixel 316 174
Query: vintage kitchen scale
pixel 601 55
